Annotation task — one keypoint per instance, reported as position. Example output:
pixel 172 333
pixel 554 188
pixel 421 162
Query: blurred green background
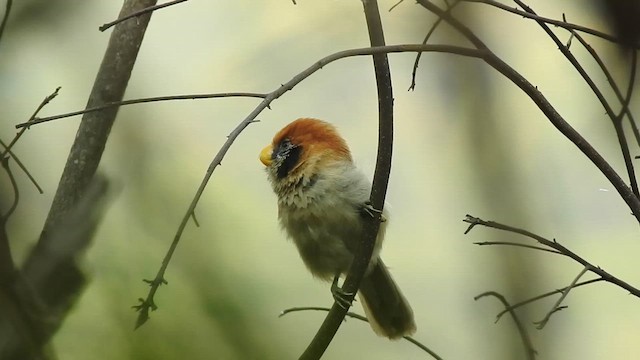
pixel 466 141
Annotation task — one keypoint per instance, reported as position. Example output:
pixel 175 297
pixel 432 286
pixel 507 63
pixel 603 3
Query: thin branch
pixel 37 120
pixel 4 218
pixel 556 307
pixel 44 102
pixel 627 98
pixel 361 318
pixel 148 304
pixel 542 296
pixel 138 13
pixel 622 140
pixel 395 5
pixel 558 23
pixel 529 350
pixel 473 221
pixel 7 148
pixel 547 109
pixel 22 167
pixel 433 28
pixel 612 82
pixel 518 245
pixel 5 18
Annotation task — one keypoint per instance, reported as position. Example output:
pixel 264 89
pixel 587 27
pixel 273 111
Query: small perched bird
pixel 322 199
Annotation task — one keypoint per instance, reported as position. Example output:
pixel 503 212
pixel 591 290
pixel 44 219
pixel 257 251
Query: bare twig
pixel 473 221
pixel 518 245
pixel 395 5
pixel 543 104
pixel 16 192
pixel 138 13
pixel 433 28
pixel 529 350
pixel 361 318
pixel 558 23
pixel 22 167
pixel 7 148
pixel 37 120
pixel 44 102
pixel 614 86
pixel 617 123
pixel 556 307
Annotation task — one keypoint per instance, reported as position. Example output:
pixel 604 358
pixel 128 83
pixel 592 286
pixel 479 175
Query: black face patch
pixel 286 157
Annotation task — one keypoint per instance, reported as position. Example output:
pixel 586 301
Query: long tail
pixel 387 310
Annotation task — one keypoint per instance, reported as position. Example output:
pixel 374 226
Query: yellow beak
pixel 265 155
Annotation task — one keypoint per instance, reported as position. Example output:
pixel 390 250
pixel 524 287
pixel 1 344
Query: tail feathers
pixel 387 310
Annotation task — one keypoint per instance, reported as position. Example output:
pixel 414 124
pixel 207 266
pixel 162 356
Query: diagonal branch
pixel 473 221
pixel 547 109
pixel 556 307
pixel 617 122
pixel 554 22
pixel 542 296
pixel 433 28
pixel 614 86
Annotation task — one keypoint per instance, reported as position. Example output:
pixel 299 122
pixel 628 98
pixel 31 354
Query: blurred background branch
pixel 52 277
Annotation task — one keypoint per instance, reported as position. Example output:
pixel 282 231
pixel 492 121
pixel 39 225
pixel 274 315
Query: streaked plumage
pixel 321 202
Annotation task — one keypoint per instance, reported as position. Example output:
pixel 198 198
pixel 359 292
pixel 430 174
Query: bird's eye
pixel 286 156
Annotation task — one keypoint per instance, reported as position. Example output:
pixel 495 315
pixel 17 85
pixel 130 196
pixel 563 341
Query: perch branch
pixel 362 256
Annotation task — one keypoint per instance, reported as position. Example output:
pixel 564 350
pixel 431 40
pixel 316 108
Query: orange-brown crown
pixel 316 137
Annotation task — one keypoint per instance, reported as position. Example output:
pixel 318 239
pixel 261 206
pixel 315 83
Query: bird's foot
pixel 373 212
pixel 339 295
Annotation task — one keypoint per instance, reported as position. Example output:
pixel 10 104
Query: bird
pixel 322 200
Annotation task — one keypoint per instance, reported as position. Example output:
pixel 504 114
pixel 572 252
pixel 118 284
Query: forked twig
pixel 542 296
pixel 556 307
